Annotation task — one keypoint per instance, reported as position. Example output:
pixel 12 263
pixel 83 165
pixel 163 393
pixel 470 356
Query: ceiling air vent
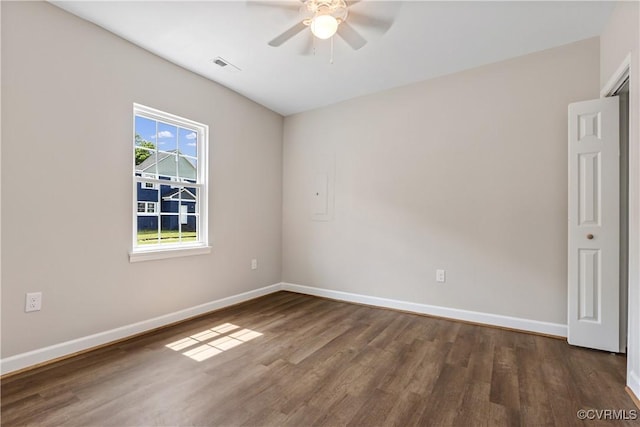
pixel 224 64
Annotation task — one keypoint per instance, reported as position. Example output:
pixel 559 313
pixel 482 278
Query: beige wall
pixel 620 37
pixel 467 172
pixel 67 94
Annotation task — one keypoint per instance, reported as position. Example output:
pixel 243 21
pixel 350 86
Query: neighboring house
pixel 169 202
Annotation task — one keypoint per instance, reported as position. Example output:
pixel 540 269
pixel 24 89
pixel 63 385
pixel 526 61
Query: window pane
pixel 146 192
pixel 189 230
pixel 187 168
pixel 170 230
pixel 188 142
pixel 145 160
pixel 147 219
pixel 145 131
pixel 167 165
pixel 167 137
pixel 170 199
pixel 189 198
pixel 147 234
pixel 147 229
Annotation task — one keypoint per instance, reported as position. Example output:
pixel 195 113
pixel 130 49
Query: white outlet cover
pixel 33 302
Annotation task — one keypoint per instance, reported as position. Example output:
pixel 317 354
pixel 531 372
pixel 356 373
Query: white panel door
pixel 594 217
pixel 184 218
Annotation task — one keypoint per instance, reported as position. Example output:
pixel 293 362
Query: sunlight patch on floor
pixel 223 340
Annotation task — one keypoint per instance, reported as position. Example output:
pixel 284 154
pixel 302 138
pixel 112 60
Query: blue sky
pixel 167 137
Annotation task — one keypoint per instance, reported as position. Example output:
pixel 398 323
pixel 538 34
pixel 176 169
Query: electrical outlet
pixel 254 264
pixel 33 302
pixel 440 276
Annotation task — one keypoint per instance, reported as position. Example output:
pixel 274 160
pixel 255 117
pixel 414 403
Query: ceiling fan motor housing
pixel 335 8
pixel 326 18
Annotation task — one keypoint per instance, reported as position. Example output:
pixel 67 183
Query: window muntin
pixel 170 181
pixel 147 207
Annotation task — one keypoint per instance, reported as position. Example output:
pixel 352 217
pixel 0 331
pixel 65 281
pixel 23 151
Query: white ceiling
pixel 427 39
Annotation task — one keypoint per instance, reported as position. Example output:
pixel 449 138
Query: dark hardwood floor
pixel 295 360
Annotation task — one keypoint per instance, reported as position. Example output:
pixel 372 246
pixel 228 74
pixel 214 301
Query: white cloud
pixel 165 134
pixel 192 144
pixel 192 135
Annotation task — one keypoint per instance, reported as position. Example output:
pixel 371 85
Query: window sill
pixel 153 254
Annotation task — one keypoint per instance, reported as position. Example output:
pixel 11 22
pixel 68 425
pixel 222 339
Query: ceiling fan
pixel 328 17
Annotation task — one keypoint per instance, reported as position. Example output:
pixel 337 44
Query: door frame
pixel 624 72
pixel 617 79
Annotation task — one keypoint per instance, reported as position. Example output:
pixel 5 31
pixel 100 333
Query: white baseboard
pixel 633 382
pixel 56 351
pixel 546 328
pixel 42 355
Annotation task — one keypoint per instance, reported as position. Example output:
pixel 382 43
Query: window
pixel 147 208
pixel 148 185
pixel 170 185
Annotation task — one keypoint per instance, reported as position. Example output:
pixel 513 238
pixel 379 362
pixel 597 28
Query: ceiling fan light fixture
pixel 324 26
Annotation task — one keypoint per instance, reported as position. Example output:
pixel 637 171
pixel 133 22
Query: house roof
pixel 185 195
pixel 166 165
pixel 150 161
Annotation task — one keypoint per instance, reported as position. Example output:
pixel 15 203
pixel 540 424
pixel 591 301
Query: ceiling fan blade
pixel 351 36
pixel 361 19
pixel 283 5
pixel 287 34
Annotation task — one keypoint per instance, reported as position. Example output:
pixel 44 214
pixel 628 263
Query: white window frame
pixel 170 250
